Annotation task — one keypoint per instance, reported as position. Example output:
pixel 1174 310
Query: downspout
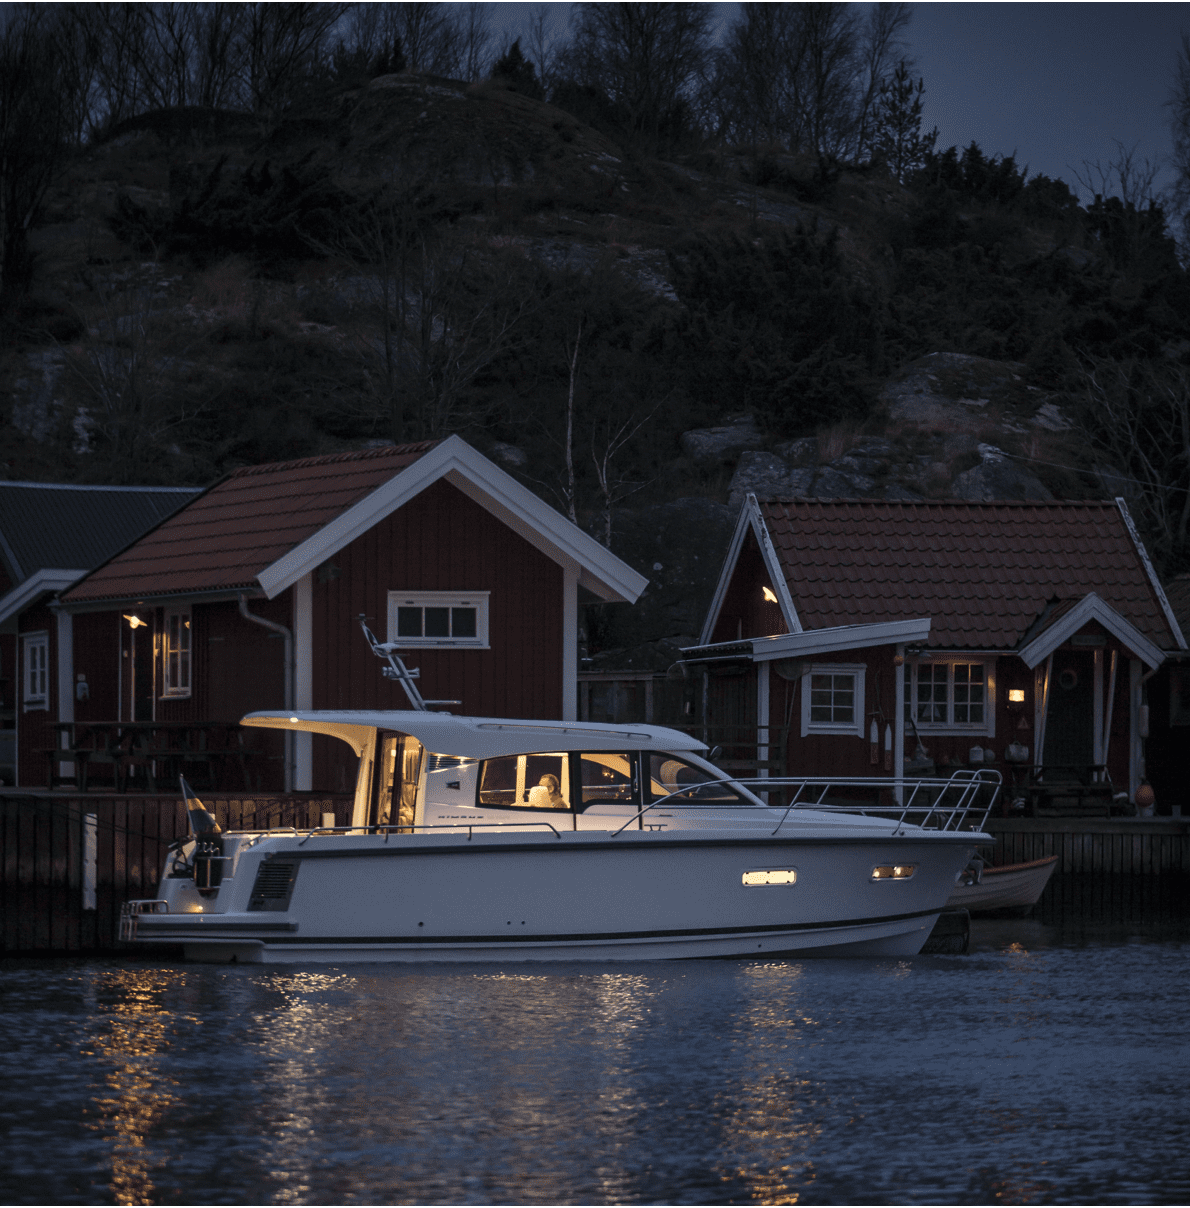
pixel 287 636
pixel 1139 771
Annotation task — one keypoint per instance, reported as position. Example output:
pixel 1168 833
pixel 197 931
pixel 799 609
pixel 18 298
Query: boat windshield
pixel 668 774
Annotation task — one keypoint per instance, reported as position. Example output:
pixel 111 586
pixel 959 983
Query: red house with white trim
pixel 851 631
pixel 250 598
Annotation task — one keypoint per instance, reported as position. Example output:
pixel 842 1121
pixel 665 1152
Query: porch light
pixel 769 594
pixel 1016 696
pixel 134 622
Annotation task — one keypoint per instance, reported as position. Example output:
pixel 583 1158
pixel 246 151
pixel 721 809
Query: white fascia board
pixel 750 519
pixel 814 641
pixel 496 491
pixel 769 553
pixel 38 583
pixel 1171 620
pixel 1091 607
pixel 742 524
pixel 840 637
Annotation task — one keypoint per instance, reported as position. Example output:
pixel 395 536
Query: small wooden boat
pixel 983 888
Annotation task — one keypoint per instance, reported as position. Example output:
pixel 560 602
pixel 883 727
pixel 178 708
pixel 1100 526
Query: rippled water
pixel 1049 1065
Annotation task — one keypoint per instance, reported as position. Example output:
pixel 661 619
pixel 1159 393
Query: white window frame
pixel 33 697
pixel 182 688
pixel 479 600
pixel 858 671
pixel 987 727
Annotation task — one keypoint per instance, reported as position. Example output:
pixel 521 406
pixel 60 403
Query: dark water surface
pixel 1050 1065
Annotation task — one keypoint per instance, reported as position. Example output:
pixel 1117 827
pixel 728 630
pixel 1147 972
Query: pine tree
pixel 899 140
pixel 516 73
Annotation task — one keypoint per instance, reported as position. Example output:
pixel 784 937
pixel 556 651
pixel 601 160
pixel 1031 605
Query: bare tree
pixel 646 58
pixel 1126 176
pixel 1179 107
pixel 542 44
pixel 34 118
pixel 475 41
pixel 282 43
pixel 1137 418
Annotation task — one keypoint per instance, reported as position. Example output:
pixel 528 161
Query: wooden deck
pixel 1137 847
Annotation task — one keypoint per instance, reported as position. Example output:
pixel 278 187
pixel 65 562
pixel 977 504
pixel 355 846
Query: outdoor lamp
pixel 769 594
pixel 134 622
pixel 1016 698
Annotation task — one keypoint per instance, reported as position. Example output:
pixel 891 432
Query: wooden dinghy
pixel 1005 887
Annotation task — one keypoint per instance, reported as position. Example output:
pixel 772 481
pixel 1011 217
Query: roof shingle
pixel 983 572
pixel 244 523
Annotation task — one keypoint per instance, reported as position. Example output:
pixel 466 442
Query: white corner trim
pixel 37 584
pixel 1162 599
pixel 496 491
pixel 769 553
pixel 1091 607
pixel 569 645
pixel 303 678
pixel 65 667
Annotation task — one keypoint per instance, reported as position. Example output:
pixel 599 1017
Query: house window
pixel 833 699
pixel 948 695
pixel 429 619
pixel 35 671
pixel 175 654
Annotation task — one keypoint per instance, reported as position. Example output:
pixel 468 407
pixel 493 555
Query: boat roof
pixel 476 737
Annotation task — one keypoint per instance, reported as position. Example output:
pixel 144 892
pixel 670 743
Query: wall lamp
pixel 134 622
pixel 769 594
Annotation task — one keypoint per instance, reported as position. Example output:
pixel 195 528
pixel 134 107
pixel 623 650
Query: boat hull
pixel 577 896
pixel 1006 887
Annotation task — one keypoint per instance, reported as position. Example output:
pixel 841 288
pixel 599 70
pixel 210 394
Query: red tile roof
pixel 983 572
pixel 244 523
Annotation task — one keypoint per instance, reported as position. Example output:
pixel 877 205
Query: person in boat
pixel 550 782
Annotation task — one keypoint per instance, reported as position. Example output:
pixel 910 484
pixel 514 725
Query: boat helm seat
pixel 539 797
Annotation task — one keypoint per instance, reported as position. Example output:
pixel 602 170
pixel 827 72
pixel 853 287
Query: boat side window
pixel 608 777
pixel 526 782
pixel 669 774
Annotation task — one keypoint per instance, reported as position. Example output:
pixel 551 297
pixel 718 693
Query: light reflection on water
pixel 1046 1066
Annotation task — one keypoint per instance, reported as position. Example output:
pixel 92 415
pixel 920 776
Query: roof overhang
pixel 751 520
pixel 37 584
pixel 812 642
pixel 475 737
pixel 1091 607
pixel 465 468
pixel 215 595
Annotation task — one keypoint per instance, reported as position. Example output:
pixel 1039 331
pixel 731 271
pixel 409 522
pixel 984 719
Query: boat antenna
pixel 396 670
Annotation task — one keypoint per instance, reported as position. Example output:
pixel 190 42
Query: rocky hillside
pixel 417 256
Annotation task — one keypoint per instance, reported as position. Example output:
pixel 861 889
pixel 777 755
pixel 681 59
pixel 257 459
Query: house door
pixel 1070 717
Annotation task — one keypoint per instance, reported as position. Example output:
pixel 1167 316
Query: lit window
pixel 429 619
pixel 833 699
pixel 771 876
pixel 948 694
pixel 526 782
pixel 893 872
pixel 35 671
pixel 175 654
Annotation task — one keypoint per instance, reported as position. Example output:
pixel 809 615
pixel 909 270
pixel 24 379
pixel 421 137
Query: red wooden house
pixel 852 628
pixel 50 535
pixel 250 598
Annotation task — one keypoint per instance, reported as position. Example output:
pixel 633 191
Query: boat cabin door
pixel 395 773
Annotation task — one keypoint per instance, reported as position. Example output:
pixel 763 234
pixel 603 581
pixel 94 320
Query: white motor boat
pixel 479 839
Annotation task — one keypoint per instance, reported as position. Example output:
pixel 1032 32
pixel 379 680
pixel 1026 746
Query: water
pixel 1047 1066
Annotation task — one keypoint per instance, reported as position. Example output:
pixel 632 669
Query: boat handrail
pixel 404 828
pixel 943 803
